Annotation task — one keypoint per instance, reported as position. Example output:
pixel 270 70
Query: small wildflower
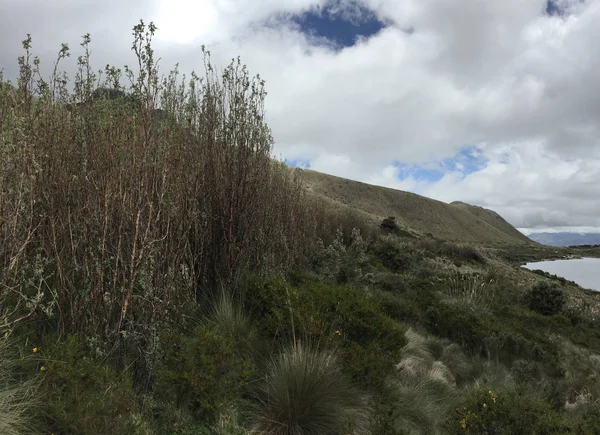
pixel 42 368
pixel 337 332
pixel 485 405
pixel 35 349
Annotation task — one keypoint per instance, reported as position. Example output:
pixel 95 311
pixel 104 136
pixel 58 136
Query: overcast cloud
pixel 518 88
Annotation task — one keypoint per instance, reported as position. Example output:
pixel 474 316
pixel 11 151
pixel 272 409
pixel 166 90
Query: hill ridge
pixel 456 222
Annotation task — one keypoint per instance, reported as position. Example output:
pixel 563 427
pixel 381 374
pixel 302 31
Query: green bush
pixel 353 320
pixel 304 392
pixel 393 254
pixel 203 373
pixel 82 394
pixel 341 262
pixel 546 299
pixel 512 411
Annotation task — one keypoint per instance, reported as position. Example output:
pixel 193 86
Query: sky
pixel 494 103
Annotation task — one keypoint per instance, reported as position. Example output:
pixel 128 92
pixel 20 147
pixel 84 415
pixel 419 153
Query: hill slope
pixel 492 218
pixel 452 222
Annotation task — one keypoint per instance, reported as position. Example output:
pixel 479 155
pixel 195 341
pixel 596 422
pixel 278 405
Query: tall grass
pixel 305 393
pixel 423 386
pixel 113 220
pixel 471 291
pixel 17 397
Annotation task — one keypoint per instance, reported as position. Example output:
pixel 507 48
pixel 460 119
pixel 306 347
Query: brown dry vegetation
pixel 414 212
pixel 111 224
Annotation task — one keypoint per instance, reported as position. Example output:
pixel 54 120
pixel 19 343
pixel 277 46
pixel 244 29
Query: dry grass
pixel 414 212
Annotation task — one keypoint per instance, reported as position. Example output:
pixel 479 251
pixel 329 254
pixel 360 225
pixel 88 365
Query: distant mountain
pixel 566 239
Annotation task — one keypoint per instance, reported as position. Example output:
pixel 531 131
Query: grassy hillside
pixel 492 218
pixel 453 222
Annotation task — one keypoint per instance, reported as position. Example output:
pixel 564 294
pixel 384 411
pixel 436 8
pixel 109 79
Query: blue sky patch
pixel 467 161
pixel 298 163
pixel 553 8
pixel 339 22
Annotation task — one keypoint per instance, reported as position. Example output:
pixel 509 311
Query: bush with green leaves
pixel 394 254
pixel 340 262
pixel 545 298
pixel 83 394
pixel 304 392
pixel 512 410
pixel 204 373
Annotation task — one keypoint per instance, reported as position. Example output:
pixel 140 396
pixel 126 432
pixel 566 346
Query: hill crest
pixel 456 222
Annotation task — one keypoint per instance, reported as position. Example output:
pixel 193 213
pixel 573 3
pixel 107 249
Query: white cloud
pixel 502 75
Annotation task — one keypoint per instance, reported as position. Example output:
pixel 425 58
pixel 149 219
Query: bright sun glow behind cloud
pixel 184 21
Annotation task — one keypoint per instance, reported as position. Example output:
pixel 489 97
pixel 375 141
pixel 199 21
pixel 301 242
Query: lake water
pixel 584 271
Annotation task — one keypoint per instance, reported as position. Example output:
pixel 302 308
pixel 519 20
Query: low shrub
pixel 393 254
pixel 339 261
pixel 204 373
pixel 354 321
pixel 82 394
pixel 545 298
pixel 512 411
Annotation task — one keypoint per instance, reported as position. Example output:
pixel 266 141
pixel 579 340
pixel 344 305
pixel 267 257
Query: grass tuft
pixel 305 393
pixel 17 398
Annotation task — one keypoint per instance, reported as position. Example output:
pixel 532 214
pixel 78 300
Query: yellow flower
pixel 485 405
pixel 337 332
pixel 35 349
pixel 494 399
pixel 490 392
pixel 42 368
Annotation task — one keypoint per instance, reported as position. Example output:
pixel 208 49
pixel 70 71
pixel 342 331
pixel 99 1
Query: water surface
pixel 584 271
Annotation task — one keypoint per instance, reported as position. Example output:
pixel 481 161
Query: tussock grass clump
pixel 305 393
pixel 18 398
pixel 423 386
pixel 471 291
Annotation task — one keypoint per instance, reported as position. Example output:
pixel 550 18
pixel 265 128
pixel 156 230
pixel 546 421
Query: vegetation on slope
pixel 163 275
pixel 414 213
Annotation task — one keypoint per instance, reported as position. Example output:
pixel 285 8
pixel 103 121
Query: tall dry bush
pixel 113 221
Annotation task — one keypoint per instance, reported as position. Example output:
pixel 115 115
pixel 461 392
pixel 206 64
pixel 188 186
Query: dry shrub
pixel 113 220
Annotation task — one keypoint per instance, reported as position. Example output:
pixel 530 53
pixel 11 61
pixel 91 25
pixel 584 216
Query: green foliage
pixel 471 291
pixel 393 254
pixel 350 318
pixel 510 411
pixel 304 392
pixel 204 373
pixel 339 262
pixel 353 320
pixel 545 298
pixel 82 394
